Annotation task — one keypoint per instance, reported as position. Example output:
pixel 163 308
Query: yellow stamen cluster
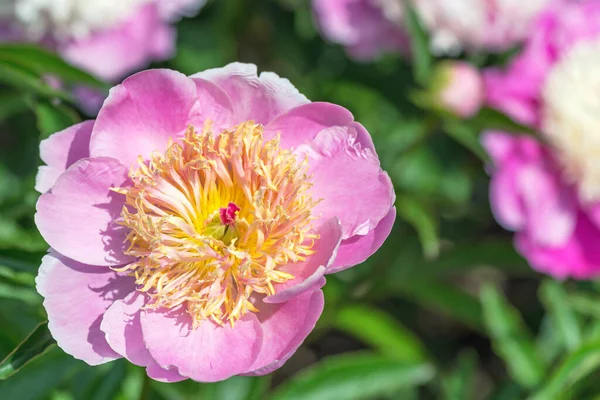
pixel 185 256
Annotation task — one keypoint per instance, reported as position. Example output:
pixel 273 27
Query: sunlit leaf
pixel 381 331
pixel 423 220
pixel 354 376
pixel 422 60
pixel 34 345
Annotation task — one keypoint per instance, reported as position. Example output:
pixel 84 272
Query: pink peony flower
pixel 360 26
pixel 192 223
pixel 548 190
pixel 108 38
pixel 368 28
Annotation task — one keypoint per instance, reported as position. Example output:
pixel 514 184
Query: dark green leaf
pixel 422 59
pixel 16 76
pixel 459 384
pixel 34 345
pixel 381 331
pixel 12 102
pixel 510 339
pixel 354 376
pixel 423 220
pixel 467 136
pixel 237 388
pixel 491 119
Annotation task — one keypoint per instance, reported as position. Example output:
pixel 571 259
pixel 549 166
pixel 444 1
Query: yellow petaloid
pixel 214 219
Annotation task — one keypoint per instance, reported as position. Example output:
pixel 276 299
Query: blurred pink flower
pixel 548 190
pixel 108 38
pixel 192 223
pixel 360 26
pixel 368 28
pixel 461 88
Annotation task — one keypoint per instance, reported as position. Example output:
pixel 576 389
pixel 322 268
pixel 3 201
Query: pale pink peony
pixel 108 38
pixel 192 223
pixel 548 190
pixel 368 28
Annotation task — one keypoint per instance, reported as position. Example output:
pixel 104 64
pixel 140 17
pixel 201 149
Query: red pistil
pixel 228 214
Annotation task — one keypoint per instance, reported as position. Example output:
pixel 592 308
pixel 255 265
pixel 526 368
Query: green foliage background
pixel 446 309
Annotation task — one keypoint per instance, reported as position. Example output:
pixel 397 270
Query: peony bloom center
pixel 67 19
pixel 214 218
pixel 572 116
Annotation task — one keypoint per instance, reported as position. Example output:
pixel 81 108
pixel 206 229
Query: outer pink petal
pixel 285 326
pixel 75 298
pixel 113 53
pixel 341 170
pixel 301 125
pixel 60 151
pixel 550 205
pixel 77 217
pixel 213 104
pixel 258 98
pixel 578 257
pixel 208 353
pixel 357 249
pixel 121 325
pixel 505 199
pixel 308 275
pixel 142 114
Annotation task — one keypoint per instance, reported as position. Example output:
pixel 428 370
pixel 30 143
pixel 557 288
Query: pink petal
pixel 75 298
pixel 357 249
pixel 499 145
pixel 60 151
pixel 113 53
pixel 77 217
pixel 308 275
pixel 213 104
pixel 285 326
pixel 302 124
pixel 578 257
pixel 341 169
pixel 258 98
pixel 142 114
pixel 505 199
pixel 550 206
pixel 123 331
pixel 208 353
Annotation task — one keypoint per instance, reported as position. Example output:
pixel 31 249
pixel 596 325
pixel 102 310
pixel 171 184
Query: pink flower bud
pixel 461 90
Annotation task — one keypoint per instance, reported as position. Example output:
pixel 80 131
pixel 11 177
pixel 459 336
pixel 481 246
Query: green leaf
pixel 574 367
pixel 34 345
pixel 381 331
pixel 467 136
pixel 21 278
pixel 459 384
pixel 12 102
pixel 423 220
pixel 24 294
pixel 354 376
pixel 54 118
pixel 510 339
pixel 43 62
pixel 491 119
pixel 555 300
pixel 441 297
pixel 422 59
pixel 237 388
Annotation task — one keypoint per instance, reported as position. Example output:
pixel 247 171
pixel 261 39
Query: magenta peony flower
pixel 108 38
pixel 368 28
pixel 548 190
pixel 192 223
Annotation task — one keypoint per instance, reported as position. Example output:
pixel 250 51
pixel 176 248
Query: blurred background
pixel 445 309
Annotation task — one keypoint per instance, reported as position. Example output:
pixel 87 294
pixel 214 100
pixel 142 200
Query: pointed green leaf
pixel 564 320
pixel 510 339
pixel 381 331
pixel 34 345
